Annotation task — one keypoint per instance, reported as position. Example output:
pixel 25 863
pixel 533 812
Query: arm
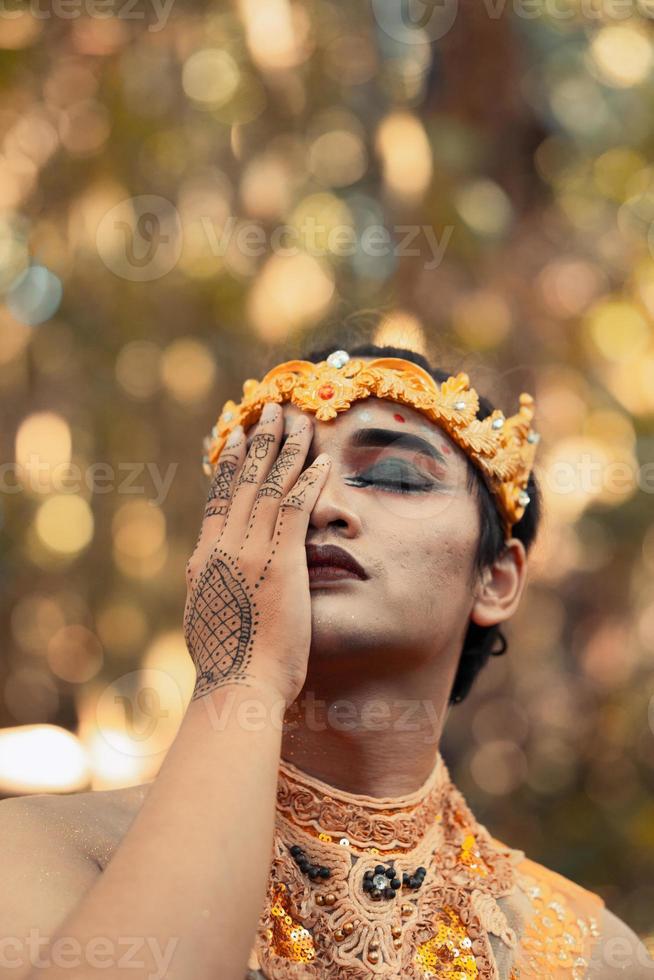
pixel 187 883
pixel 185 886
pixel 171 884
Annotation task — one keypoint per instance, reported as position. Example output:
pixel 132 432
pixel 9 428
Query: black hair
pixel 481 642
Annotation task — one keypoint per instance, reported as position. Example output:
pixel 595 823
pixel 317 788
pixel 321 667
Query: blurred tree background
pixel 192 193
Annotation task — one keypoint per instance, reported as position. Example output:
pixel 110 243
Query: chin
pixel 339 631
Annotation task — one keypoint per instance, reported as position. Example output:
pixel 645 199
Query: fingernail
pixel 235 435
pixel 269 412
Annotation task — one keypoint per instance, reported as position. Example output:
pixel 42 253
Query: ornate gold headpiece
pixel 502 448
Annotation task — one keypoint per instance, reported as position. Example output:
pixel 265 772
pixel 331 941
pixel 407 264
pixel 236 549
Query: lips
pixel 331 556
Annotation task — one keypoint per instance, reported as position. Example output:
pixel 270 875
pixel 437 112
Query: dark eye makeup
pixel 392 474
pixel 395 475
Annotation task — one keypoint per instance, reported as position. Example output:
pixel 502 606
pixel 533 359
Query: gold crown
pixel 502 448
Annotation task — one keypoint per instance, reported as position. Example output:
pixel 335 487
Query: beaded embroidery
pixel 453 927
pixel 444 925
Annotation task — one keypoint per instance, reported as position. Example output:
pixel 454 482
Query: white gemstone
pixel 380 882
pixel 459 406
pixel 214 431
pixel 338 358
pixel 497 423
pixel 228 416
pixel 344 841
pixel 523 498
pixel 533 437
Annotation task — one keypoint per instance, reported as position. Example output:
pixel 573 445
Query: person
pixel 365 536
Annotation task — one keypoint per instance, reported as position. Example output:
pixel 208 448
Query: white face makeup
pixel 396 498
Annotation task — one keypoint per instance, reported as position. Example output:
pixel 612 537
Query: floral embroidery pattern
pixel 331 929
pixel 446 922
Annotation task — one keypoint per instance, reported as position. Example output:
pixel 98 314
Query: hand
pixel 248 607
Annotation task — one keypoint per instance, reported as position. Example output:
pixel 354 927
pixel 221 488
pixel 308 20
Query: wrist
pixel 247 690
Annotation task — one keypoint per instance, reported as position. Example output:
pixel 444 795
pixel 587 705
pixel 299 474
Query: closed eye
pixel 396 476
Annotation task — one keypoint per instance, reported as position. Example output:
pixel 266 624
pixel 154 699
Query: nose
pixel 331 508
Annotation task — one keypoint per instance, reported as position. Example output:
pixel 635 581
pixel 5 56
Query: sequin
pixel 444 930
pixel 446 954
pixel 470 856
pixel 289 938
pixel 555 945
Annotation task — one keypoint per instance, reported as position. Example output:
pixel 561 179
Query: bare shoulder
pixel 618 953
pixel 53 850
pixel 86 826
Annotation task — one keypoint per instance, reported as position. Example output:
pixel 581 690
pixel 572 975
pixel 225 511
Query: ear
pixel 500 586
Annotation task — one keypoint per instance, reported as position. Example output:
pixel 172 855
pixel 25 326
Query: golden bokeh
pixel 184 202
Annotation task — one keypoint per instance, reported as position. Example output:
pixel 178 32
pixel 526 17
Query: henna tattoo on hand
pixel 273 485
pixel 219 626
pixel 298 497
pixel 258 452
pixel 220 490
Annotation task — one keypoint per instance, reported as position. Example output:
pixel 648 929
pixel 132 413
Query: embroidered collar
pixel 367 822
pixel 365 886
pixel 448 922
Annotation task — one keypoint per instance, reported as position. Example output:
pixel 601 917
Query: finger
pixel 219 498
pixel 256 466
pixel 295 509
pixel 282 476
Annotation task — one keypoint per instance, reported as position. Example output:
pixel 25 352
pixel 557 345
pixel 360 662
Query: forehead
pixel 376 412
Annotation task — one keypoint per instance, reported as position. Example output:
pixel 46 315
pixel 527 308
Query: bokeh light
pixel 41 759
pixel 181 208
pixel 64 523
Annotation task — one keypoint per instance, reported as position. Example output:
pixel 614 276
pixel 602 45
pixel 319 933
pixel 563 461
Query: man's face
pixel 396 499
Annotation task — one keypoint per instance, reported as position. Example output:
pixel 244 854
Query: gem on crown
pixel 338 358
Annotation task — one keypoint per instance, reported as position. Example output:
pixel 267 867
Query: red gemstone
pixel 326 391
pixel 398 417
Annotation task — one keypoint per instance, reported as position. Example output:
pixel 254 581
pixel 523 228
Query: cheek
pixel 431 556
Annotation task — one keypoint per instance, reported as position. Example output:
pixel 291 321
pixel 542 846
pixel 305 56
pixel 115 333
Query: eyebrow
pixel 379 438
pixel 386 437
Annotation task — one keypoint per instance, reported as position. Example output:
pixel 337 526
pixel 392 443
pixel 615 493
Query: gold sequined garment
pixel 483 910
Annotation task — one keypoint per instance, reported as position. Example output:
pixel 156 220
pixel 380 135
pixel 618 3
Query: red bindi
pixel 399 418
